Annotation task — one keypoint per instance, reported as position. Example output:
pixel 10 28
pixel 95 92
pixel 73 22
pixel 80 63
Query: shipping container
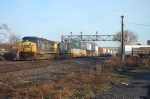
pixel 76 52
pixel 92 47
pixel 83 45
pixel 73 44
pixel 102 51
pixel 88 46
pixel 96 48
pixel 99 51
pixel 111 51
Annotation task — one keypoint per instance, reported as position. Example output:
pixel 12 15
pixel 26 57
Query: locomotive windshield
pixel 31 39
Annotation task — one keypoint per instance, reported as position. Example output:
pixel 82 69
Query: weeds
pixel 73 85
pixel 76 85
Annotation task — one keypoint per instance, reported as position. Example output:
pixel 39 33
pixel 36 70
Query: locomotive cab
pixel 27 48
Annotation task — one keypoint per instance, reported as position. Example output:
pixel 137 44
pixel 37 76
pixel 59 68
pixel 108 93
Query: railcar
pixel 137 50
pixel 33 48
pixel 142 51
pixel 76 48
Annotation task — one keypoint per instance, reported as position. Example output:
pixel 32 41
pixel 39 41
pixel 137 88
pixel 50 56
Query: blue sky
pixel 52 18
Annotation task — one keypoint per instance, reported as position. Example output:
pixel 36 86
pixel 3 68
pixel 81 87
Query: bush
pixel 9 56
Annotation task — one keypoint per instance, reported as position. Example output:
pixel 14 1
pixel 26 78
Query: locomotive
pixel 33 48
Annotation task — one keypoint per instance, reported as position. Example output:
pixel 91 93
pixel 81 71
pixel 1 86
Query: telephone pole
pixel 122 39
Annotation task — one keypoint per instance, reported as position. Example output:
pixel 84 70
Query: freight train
pixel 137 50
pixel 35 48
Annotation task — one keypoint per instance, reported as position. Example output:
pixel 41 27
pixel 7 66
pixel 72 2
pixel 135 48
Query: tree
pixel 8 41
pixel 129 36
pixel 3 33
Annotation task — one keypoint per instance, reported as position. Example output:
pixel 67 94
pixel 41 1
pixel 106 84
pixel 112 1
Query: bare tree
pixel 3 33
pixel 8 41
pixel 129 36
pixel 14 41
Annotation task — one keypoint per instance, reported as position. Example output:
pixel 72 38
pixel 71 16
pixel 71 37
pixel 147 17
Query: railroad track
pixel 29 65
pixel 23 65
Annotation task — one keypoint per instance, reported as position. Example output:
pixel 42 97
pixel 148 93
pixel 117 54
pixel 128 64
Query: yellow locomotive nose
pixel 28 47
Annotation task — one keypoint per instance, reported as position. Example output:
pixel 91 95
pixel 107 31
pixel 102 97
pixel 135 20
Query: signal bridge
pixel 89 37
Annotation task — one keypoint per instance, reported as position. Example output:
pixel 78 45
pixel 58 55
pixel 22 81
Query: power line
pixel 136 23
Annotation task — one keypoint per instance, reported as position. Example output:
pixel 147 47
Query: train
pixel 35 48
pixel 137 50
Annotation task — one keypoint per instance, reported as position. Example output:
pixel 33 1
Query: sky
pixel 50 19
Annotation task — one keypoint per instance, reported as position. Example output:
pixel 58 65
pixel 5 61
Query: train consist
pixel 137 50
pixel 34 48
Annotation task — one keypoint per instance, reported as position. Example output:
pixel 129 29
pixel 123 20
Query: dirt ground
pixel 137 88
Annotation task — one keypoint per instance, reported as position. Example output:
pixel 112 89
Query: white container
pixel 96 48
pixel 76 52
pixel 128 48
pixel 111 51
pixel 104 51
pixel 108 51
pixel 88 46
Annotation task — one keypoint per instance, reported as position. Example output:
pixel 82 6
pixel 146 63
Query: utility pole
pixel 122 39
pixel 71 34
pixel 81 34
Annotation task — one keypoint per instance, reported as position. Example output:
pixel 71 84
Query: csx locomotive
pixel 34 48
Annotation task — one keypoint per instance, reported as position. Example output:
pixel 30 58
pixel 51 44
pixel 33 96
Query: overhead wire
pixel 136 23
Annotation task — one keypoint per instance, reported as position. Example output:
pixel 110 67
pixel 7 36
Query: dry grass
pixel 74 85
pixel 113 62
pixel 130 62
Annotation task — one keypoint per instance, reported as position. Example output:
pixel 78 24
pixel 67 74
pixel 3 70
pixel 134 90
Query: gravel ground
pixel 50 72
pixel 137 88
